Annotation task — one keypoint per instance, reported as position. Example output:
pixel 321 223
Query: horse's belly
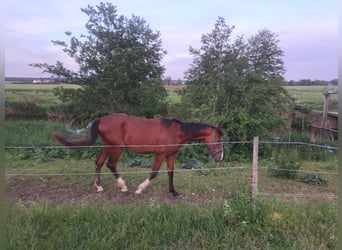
pixel 153 149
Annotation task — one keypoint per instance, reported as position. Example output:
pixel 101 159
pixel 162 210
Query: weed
pixel 286 164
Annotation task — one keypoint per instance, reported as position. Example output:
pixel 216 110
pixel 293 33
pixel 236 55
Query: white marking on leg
pixel 99 189
pixel 122 184
pixel 222 154
pixel 142 186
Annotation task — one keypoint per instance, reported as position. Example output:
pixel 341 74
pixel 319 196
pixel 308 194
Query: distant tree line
pixel 308 82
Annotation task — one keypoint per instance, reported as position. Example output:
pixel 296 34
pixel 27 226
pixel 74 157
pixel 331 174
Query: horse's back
pixel 127 130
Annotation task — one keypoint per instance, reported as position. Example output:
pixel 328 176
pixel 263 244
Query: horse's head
pixel 214 143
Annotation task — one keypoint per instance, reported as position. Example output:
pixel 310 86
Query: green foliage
pixel 241 209
pixel 139 162
pixel 314 180
pixel 237 83
pixel 300 124
pixel 31 133
pixel 249 224
pixel 286 165
pixel 119 66
pixel 31 140
pixel 25 109
pixel 190 163
pixel 327 150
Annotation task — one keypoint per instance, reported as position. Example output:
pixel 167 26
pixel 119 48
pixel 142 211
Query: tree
pixel 265 95
pixel 237 82
pixel 217 70
pixel 119 66
pixel 265 56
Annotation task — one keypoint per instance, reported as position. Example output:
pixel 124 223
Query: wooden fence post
pixel 254 176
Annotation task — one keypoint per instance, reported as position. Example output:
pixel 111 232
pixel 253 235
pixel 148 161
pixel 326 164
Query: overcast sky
pixel 307 30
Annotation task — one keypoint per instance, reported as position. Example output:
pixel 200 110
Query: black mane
pixel 186 127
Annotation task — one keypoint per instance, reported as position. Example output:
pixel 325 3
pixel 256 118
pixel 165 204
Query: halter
pixel 216 148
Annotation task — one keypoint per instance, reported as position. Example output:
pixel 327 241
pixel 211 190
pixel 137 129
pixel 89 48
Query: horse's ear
pixel 219 128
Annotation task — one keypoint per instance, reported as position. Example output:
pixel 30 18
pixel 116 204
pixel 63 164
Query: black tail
pixel 78 144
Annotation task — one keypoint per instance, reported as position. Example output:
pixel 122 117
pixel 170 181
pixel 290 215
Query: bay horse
pixel 159 136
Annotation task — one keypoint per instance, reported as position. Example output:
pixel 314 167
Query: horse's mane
pixel 193 127
pixel 187 127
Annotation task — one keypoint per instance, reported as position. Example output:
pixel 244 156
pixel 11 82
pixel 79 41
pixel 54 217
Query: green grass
pixel 31 133
pixel 311 97
pixel 37 87
pixel 216 210
pixel 247 224
pixel 40 94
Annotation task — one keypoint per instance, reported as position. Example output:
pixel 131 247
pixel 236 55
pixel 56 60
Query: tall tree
pixel 265 55
pixel 265 96
pixel 217 71
pixel 119 66
pixel 237 82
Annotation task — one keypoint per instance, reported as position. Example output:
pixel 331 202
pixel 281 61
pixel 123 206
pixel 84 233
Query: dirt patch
pixel 59 191
pixel 56 192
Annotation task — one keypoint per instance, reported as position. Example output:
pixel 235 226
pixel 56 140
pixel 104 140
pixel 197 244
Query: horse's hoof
pixel 138 192
pixel 176 194
pixel 124 190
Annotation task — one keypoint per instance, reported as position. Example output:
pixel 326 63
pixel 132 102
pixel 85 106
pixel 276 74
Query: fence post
pixel 254 176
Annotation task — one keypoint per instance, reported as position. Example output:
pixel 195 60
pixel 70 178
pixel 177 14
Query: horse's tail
pixel 78 144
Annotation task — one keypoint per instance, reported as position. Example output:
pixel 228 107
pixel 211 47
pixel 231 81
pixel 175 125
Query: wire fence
pixel 225 166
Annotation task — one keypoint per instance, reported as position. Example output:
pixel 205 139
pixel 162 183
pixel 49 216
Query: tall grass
pixel 31 133
pixel 249 224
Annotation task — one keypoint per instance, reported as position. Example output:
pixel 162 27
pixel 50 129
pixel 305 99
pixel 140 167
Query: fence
pixel 258 185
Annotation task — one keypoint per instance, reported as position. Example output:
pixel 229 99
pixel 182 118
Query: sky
pixel 307 31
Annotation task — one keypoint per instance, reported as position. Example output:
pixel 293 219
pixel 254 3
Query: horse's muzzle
pixel 218 155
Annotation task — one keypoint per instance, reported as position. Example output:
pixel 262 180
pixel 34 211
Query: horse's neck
pixel 192 131
pixel 199 136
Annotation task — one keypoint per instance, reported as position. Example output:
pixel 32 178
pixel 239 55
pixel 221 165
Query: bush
pixel 314 180
pixel 286 165
pixel 25 109
pixel 240 208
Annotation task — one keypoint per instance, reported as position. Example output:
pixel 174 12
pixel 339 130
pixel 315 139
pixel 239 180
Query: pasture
pixel 51 203
pixel 39 94
pixel 60 209
pixel 311 97
pixel 42 94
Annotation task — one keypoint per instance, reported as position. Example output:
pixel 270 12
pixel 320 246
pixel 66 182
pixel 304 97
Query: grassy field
pixel 311 97
pixel 308 96
pixel 215 209
pixel 40 94
pixel 51 204
pixel 272 226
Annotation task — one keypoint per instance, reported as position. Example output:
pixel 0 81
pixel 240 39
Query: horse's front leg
pixel 111 164
pixel 170 167
pixel 156 166
pixel 98 165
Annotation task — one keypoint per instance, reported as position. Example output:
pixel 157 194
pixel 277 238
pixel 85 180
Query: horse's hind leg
pixel 170 166
pixel 98 165
pixel 111 164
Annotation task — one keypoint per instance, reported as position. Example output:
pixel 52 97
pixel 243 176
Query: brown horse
pixel 159 136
